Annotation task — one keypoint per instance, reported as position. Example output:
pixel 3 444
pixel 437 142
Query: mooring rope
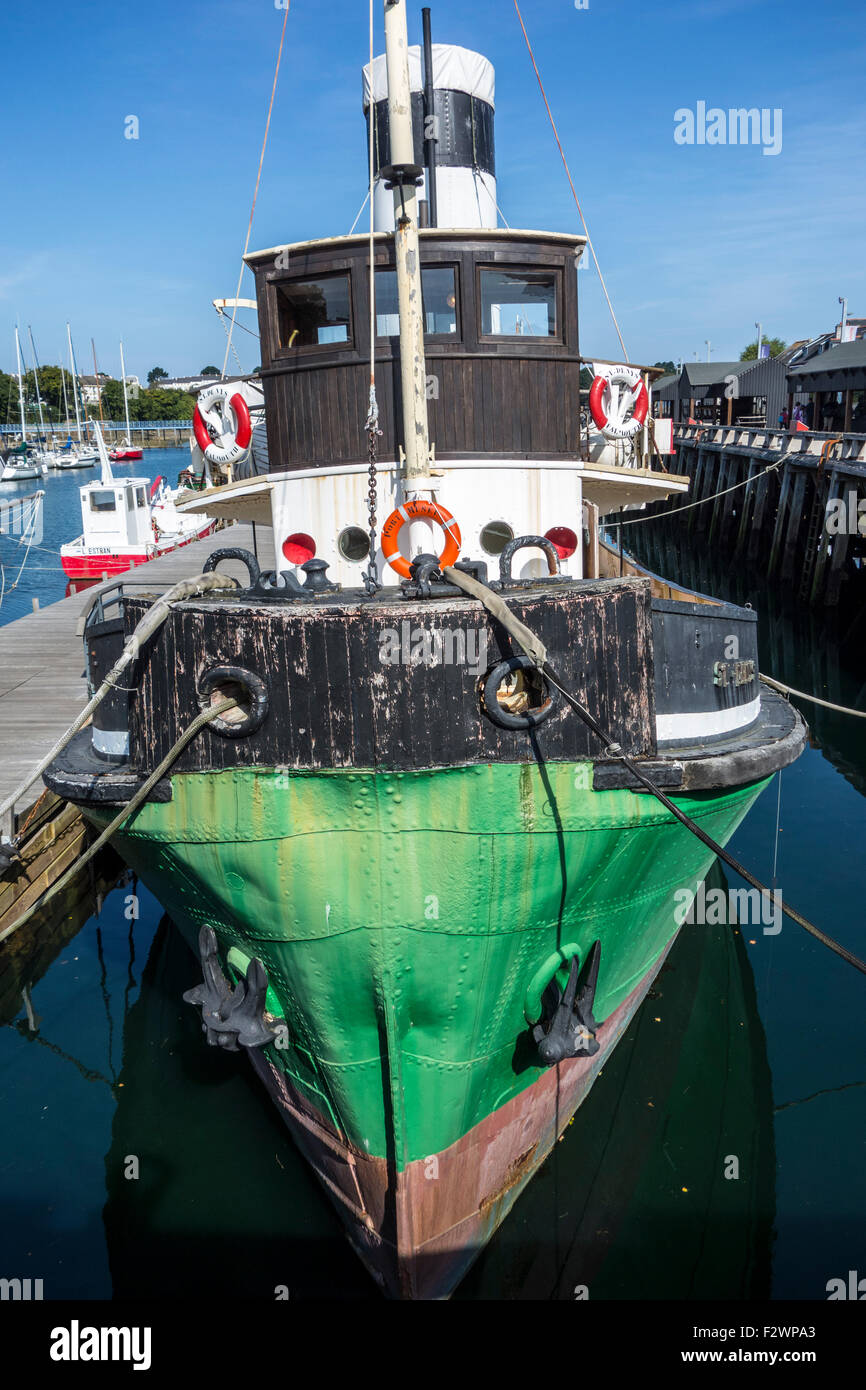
pixel 813 699
pixel 570 180
pixel 256 189
pixel 531 645
pixel 132 805
pixel 699 502
pixel 148 625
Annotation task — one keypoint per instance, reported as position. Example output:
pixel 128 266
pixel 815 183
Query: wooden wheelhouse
pixel 501 346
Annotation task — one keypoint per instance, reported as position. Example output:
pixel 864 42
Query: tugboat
pixel 426 895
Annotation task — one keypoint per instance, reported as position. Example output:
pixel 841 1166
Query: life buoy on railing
pixel 218 444
pixel 415 511
pixel 154 487
pixel 623 426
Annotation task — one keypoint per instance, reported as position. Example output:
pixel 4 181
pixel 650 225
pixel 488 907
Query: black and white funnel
pixel 463 91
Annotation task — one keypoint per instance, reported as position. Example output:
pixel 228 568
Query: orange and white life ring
pixel 218 443
pixel 622 425
pixel 415 511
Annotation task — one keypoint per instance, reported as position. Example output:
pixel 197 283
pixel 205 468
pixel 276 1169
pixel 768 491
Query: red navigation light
pixel 564 539
pixel 299 548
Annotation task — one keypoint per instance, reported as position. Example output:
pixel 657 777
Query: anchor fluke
pixel 230 1017
pixel 568 1028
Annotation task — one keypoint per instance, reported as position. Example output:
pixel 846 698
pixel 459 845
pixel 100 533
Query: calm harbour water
pixel 42 576
pixel 750 1045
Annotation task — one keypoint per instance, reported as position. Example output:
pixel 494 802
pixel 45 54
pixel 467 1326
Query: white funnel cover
pixel 454 68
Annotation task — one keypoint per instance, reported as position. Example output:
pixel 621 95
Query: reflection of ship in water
pixel 224 1204
pixel 822 653
pixel 633 1202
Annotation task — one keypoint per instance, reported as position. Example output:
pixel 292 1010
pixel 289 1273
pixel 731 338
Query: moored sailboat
pixel 125 452
pixel 428 898
pixel 20 463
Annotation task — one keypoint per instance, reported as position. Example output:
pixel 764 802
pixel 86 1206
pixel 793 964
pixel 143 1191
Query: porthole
pixel 353 543
pixel 495 537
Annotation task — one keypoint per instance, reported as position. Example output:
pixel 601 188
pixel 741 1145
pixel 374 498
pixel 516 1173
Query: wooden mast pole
pixel 413 373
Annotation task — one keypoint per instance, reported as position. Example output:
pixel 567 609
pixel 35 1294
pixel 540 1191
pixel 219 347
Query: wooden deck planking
pixel 42 685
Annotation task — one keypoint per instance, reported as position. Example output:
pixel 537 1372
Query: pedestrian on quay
pixel 783 418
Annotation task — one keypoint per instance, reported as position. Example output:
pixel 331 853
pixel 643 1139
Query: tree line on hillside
pixel 155 403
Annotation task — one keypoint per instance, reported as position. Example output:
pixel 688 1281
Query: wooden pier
pixel 787 503
pixel 43 689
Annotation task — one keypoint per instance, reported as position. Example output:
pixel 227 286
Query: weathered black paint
pixel 692 640
pixel 334 703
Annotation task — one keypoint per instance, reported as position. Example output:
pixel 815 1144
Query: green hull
pixel 408 921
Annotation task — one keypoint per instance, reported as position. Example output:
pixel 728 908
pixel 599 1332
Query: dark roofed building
pixel 836 381
pixel 724 393
pixel 665 396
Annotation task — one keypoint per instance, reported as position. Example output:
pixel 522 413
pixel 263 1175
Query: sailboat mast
pixel 125 402
pixel 65 400
pixel 413 371
pixel 74 382
pixel 20 387
pixel 98 389
pixel 36 379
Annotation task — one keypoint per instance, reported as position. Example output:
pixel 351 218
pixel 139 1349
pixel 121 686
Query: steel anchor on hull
pixel 568 1028
pixel 230 1017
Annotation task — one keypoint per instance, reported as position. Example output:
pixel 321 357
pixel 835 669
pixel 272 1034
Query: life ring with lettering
pixel 415 511
pixel 217 443
pixel 622 425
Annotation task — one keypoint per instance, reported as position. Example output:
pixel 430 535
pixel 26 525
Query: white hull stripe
pixel 706 723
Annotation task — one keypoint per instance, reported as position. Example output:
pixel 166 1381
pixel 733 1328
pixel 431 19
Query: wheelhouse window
pixel 102 502
pixel 438 296
pixel 314 313
pixel 519 303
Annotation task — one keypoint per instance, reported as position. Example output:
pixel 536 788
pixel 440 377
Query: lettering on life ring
pixel 222 436
pixel 413 511
pixel 612 416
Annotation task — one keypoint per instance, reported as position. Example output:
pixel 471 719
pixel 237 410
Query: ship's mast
pixel 403 173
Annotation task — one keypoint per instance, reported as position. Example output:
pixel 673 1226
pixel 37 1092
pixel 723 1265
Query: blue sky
pixel 134 238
